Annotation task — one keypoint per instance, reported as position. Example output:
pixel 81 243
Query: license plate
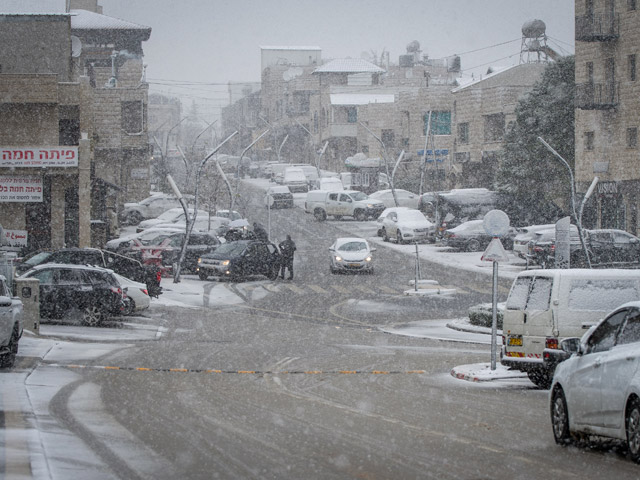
pixel 354 264
pixel 515 341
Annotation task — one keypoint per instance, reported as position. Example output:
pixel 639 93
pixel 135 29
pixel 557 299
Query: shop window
pixel 132 114
pixel 494 127
pixel 463 132
pixel 632 137
pixel 388 137
pixel 632 67
pixel 588 140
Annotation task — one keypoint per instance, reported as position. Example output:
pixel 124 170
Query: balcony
pixel 598 28
pixel 597 96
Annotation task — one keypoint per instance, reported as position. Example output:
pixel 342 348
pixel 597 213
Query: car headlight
pixel 368 259
pixel 199 260
pixel 338 258
pixel 370 205
pixel 225 262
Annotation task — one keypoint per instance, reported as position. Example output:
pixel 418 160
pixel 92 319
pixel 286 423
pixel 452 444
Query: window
pixel 388 137
pixel 440 122
pixel 588 140
pixel 352 114
pixel 631 5
pixel 333 196
pixel 631 331
pixel 530 294
pixel 603 337
pixel 494 127
pixel 631 62
pixel 132 113
pixel 463 132
pixel 632 137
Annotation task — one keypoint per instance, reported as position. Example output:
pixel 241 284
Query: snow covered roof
pixel 360 98
pixel 33 7
pixel 349 65
pixel 86 20
pixel 360 160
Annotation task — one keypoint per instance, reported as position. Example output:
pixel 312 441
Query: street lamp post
pixel 577 218
pixel 240 163
pixel 386 163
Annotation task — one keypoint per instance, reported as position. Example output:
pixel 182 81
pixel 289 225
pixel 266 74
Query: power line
pixel 490 46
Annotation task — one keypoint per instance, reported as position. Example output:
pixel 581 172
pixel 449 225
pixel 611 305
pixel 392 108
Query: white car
pixel 150 207
pixel 405 225
pixel 136 295
pixel 597 390
pixel 351 254
pixel 525 235
pixel 11 324
pixel 405 198
pixel 218 225
pixel 172 215
pixel 146 236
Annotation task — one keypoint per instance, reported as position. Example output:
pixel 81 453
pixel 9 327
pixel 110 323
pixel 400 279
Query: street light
pixel 240 163
pixel 577 218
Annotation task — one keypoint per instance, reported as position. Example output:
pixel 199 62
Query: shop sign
pixel 36 157
pixel 608 188
pixel 15 238
pixel 20 188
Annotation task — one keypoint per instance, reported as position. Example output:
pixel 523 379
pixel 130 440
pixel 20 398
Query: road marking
pixel 240 372
pixel 340 289
pixel 317 289
pixel 294 288
pixel 364 289
pixel 272 288
pixel 388 289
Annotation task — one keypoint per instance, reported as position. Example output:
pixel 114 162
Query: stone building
pixel 608 110
pixel 65 165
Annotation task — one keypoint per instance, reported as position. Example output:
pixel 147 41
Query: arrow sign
pixel 495 252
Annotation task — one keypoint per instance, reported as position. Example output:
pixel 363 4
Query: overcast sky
pixel 218 41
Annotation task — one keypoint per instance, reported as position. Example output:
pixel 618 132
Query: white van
pixel 295 179
pixel 546 306
pixel 330 184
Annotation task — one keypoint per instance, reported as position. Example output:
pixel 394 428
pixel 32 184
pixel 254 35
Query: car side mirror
pixel 332 249
pixel 571 345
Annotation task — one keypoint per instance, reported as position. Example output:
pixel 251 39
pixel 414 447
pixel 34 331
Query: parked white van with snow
pixel 546 306
pixel 295 179
pixel 330 184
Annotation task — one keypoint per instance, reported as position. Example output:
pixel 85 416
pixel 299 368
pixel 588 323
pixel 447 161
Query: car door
pixel 391 224
pixel 586 379
pixel 618 368
pixel 626 247
pixel 46 291
pixel 601 245
pixel 344 204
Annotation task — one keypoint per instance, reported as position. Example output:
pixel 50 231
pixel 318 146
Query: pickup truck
pixel 349 203
pixel 10 324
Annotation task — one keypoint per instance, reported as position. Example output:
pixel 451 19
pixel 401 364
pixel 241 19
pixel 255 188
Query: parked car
pixel 150 207
pixel 213 225
pixel 349 203
pixel 329 184
pixel 125 265
pixel 11 324
pixel 150 235
pixel 471 237
pixel 597 390
pixel 351 254
pixel 91 293
pixel 405 198
pixel 405 225
pixel 172 215
pixel 546 306
pixel 541 248
pixel 295 179
pixel 136 295
pixel 281 197
pixel 240 259
pixel 231 215
pixel 524 236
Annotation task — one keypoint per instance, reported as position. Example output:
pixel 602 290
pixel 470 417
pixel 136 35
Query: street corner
pixel 482 372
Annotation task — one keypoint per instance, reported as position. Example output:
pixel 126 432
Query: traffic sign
pixel 495 252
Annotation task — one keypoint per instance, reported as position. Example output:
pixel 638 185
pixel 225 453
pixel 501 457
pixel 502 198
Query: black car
pixel 240 259
pixel 198 245
pixel 279 197
pixel 92 293
pixel 126 266
pixel 471 237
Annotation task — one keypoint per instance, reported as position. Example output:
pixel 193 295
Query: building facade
pixel 607 114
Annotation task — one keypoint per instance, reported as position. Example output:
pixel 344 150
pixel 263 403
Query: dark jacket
pixel 287 247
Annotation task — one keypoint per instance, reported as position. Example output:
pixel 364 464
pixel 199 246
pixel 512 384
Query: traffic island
pixel 481 372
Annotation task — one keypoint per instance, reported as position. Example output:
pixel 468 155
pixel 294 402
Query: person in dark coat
pixel 287 247
pixel 260 233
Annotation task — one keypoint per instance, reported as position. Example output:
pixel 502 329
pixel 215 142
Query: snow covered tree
pixel 534 179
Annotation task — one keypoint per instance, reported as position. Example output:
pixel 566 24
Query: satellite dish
pixel 76 46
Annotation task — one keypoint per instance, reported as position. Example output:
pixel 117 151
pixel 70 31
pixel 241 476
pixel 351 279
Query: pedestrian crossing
pixel 314 289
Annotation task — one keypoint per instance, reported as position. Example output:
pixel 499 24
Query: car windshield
pixel 359 196
pixel 353 246
pixel 231 249
pixel 37 259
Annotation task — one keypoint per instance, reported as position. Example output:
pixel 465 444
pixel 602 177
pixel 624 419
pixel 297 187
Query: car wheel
pixel 320 215
pixel 9 359
pixel 92 315
pixel 332 270
pixel 202 275
pixel 633 430
pixel 273 272
pixel 473 245
pixel 560 418
pixel 129 306
pixel 385 237
pixel 540 378
pixel 134 218
pixel 399 238
pixel 359 215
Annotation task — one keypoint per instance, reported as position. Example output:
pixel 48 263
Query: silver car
pixel 351 254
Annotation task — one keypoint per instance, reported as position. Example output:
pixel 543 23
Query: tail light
pixel 551 342
pixel 158 276
pixel 145 291
pixel 117 290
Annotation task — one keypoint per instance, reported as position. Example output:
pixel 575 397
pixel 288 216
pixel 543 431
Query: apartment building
pixel 65 166
pixel 607 114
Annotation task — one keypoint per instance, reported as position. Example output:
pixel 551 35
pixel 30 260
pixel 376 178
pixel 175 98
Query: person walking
pixel 287 247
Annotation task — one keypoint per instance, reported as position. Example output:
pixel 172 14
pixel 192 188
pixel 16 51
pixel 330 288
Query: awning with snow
pixel 361 98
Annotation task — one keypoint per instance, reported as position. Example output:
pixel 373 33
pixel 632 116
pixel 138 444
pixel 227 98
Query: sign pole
pixel 494 316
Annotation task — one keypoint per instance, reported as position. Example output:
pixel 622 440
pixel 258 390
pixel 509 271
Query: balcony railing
pixel 598 28
pixel 597 96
